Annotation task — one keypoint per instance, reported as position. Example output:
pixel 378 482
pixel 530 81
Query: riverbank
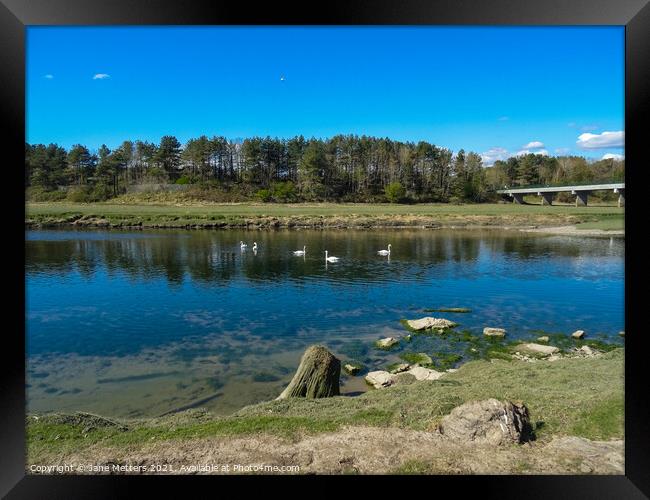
pixel 577 424
pixel 323 215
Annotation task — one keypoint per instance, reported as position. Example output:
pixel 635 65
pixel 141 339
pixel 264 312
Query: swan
pixel 330 259
pixel 255 246
pixel 300 252
pixel 242 245
pixel 384 252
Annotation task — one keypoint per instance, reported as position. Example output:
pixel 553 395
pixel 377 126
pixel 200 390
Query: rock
pixel 387 343
pixel 543 339
pixel 317 375
pixel 401 368
pixel 539 348
pixel 622 333
pixel 351 369
pixel 587 350
pixel 430 323
pixel 494 332
pixel 578 334
pixel 487 422
pixel 421 373
pixel 380 379
pixel 407 337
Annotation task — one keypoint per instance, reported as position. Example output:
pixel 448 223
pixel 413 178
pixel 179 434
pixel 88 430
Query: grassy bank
pixel 193 215
pixel 569 397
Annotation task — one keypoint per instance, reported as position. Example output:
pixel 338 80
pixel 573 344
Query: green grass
pixel 609 223
pixel 580 396
pixel 48 437
pixel 178 214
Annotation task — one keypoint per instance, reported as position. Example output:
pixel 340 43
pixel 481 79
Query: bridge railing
pixel 583 183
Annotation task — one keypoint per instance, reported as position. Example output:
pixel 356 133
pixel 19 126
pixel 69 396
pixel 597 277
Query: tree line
pixel 341 168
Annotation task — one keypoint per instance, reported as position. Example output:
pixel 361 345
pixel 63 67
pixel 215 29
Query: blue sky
pixel 494 90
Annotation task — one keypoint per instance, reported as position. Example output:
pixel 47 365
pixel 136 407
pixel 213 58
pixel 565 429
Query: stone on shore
pixel 380 379
pixel 387 343
pixel 430 323
pixel 545 338
pixel 578 334
pixel 588 351
pixel 487 422
pixel 317 375
pixel 622 333
pixel 402 367
pixel 494 332
pixel 546 350
pixel 421 373
pixel 351 369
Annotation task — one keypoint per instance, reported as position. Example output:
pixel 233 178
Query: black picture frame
pixel 15 15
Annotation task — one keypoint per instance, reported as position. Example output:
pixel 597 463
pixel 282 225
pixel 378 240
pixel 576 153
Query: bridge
pixel 547 192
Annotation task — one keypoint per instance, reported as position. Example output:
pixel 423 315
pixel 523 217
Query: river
pixel 141 323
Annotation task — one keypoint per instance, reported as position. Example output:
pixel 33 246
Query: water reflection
pixel 213 257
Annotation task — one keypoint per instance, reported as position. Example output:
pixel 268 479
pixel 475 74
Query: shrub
pixel 395 192
pixel 283 191
pixel 81 194
pixel 183 180
pixel 264 195
pixel 38 193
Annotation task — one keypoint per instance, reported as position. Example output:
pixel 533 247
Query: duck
pixel 301 252
pixel 330 259
pixel 384 252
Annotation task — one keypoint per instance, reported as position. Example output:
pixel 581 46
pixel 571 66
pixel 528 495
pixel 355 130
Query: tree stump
pixel 316 377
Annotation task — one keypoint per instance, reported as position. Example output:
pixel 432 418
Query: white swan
pixel 330 259
pixel 300 252
pixel 384 252
pixel 255 246
pixel 242 245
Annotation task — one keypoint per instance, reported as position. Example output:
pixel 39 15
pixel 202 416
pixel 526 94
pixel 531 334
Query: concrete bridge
pixel 581 192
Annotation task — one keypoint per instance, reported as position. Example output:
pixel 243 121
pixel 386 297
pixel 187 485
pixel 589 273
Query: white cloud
pixel 613 156
pixel 525 152
pixel 533 145
pixel 601 141
pixel 48 76
pixel 101 76
pixel 494 154
pixel 562 151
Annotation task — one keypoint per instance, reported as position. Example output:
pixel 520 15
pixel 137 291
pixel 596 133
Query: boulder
pixel 494 332
pixel 578 334
pixel 421 373
pixel 546 350
pixel 429 323
pixel 490 421
pixel 622 333
pixel 351 369
pixel 387 343
pixel 543 339
pixel 317 375
pixel 402 367
pixel 587 351
pixel 380 379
